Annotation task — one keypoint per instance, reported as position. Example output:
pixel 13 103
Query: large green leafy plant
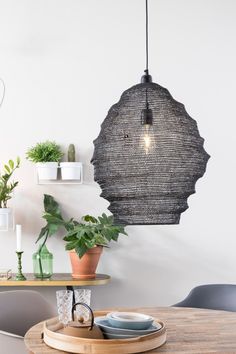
pixel 92 232
pixel 80 236
pixel 47 151
pixel 7 187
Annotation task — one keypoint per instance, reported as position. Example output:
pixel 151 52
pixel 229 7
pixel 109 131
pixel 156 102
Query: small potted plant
pixel 46 155
pixel 6 190
pixel 84 240
pixel 71 170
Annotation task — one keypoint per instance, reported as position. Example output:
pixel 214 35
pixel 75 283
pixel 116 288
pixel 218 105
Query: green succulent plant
pixel 71 153
pixel 7 187
pixel 47 151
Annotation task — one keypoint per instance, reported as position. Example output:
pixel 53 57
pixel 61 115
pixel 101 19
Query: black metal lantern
pixel 148 155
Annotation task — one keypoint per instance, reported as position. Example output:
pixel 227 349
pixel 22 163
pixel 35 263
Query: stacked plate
pixel 120 325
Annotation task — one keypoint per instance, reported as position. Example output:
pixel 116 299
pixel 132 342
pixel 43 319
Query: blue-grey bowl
pixel 142 323
pixel 106 328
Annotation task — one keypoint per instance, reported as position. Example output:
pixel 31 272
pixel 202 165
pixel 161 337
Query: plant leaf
pixel 11 164
pixel 52 229
pixel 81 250
pixel 7 168
pixel 51 206
pixel 43 232
pixel 71 245
pixel 90 218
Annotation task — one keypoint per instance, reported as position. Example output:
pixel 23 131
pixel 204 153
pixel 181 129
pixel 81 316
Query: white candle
pixel 18 238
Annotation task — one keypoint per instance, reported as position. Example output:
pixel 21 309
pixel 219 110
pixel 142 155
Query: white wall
pixel 65 62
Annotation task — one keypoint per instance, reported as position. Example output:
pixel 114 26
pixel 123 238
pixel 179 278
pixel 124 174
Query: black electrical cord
pixel 146 77
pixel 147 115
pixel 147 39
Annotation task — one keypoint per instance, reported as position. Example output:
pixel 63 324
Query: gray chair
pixel 211 296
pixel 20 310
pixel 11 345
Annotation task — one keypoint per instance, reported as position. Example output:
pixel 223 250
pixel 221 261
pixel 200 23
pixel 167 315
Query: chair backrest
pixel 21 309
pixel 212 296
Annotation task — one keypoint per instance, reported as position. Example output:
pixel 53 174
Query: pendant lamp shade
pixel 148 182
pixel 148 155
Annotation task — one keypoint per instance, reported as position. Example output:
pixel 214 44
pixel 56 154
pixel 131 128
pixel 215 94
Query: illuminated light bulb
pixel 147 139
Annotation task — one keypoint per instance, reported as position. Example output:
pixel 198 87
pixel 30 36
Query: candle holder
pixel 20 275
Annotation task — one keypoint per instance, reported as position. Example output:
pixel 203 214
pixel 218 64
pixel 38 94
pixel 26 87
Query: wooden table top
pixel 188 331
pixel 57 279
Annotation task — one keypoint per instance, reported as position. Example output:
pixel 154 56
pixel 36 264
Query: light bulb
pixel 147 136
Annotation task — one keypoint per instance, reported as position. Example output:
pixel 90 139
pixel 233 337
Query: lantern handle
pixel 90 310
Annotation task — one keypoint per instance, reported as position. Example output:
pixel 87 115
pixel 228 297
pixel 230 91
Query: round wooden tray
pixel 60 341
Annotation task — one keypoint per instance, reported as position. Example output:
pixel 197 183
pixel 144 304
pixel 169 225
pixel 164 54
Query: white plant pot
pixel 4 218
pixel 70 170
pixel 47 170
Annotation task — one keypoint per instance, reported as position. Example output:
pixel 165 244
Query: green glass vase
pixel 43 263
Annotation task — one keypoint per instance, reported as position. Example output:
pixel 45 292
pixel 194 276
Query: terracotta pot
pixel 85 267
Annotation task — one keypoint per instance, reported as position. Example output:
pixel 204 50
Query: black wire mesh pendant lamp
pixel 148 155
